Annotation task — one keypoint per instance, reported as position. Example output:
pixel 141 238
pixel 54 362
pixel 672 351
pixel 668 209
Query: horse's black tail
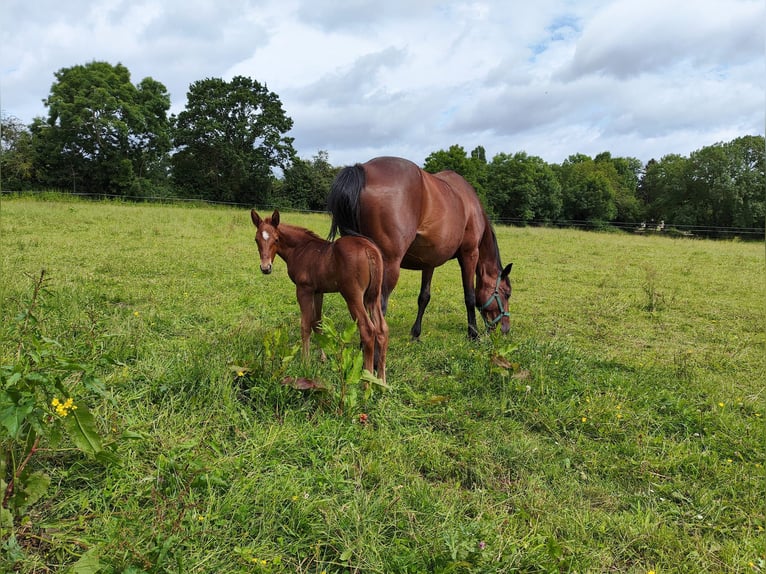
pixel 343 201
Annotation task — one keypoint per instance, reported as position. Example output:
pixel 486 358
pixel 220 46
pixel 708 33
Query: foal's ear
pixel 275 218
pixel 255 217
pixel 507 271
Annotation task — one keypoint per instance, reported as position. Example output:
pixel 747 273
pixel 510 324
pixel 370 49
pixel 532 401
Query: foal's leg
pixel 316 312
pixel 356 307
pixel 316 318
pixel 423 299
pixel 374 309
pixel 306 303
pixel 381 338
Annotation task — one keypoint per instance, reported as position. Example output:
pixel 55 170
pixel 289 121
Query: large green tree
pixel 716 187
pixel 228 139
pixel 523 188
pixel 588 189
pixel 662 190
pixel 473 168
pixel 103 134
pixel 17 157
pixel 306 183
pixel 726 183
pixel 625 173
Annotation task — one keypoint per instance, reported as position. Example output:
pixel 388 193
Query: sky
pixel 364 78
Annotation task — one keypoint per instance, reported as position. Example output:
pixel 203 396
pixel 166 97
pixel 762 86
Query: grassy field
pixel 618 428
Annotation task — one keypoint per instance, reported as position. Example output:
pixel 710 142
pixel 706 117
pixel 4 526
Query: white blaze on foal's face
pixel 267 239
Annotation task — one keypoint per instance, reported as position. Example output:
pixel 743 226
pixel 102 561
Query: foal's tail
pixel 343 201
pixel 374 289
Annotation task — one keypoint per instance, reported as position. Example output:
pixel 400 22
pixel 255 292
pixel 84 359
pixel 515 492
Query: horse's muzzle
pixel 266 269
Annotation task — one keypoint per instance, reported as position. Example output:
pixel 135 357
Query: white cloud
pixel 364 78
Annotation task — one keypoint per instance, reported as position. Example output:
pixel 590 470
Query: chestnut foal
pixel 351 266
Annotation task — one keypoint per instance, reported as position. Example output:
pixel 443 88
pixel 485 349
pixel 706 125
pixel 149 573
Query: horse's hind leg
pixel 391 272
pixel 423 299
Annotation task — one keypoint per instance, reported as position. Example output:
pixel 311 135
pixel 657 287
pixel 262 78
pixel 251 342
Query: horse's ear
pixel 507 271
pixel 255 217
pixel 275 218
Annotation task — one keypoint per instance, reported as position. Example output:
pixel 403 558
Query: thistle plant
pixel 354 383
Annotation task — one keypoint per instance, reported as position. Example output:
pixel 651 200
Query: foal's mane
pixel 302 230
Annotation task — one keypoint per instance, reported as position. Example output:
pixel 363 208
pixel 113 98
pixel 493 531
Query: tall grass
pixel 619 427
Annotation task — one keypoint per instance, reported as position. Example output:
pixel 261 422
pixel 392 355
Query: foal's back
pixel 358 265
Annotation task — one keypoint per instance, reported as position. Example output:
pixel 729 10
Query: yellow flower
pixel 136 313
pixel 62 409
pixel 240 373
pixel 585 419
pixel 720 405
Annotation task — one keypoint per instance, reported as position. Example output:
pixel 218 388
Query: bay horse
pixel 351 266
pixel 420 221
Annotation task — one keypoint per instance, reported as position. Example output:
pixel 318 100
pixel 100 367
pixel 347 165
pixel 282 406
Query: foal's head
pixel 266 238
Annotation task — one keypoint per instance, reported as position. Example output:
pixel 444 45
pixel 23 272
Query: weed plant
pixel 619 427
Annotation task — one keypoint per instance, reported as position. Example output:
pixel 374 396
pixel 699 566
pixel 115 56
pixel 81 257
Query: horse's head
pixel 266 238
pixel 492 297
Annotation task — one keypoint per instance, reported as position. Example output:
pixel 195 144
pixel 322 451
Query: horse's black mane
pixel 497 247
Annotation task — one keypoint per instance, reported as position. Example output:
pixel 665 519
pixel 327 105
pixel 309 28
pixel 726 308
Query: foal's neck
pixel 291 237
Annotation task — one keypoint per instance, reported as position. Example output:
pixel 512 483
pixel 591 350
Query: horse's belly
pixel 430 251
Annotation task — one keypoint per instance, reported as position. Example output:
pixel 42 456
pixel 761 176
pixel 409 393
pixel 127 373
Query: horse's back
pixel 417 218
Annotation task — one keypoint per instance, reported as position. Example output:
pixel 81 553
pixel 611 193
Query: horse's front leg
pixel 423 298
pixel 306 303
pixel 467 271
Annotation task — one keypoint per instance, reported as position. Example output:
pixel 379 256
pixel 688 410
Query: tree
pixel 473 169
pixel 17 157
pixel 625 173
pixel 663 190
pixel 306 183
pixel 717 186
pixel 103 134
pixel 228 140
pixel 588 189
pixel 523 188
pixel 725 183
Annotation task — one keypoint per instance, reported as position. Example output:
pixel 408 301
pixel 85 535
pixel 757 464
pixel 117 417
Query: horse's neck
pixel 487 265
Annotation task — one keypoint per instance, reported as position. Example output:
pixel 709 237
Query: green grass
pixel 627 435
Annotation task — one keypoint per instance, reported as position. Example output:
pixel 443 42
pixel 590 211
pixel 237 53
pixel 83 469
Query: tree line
pixel 104 135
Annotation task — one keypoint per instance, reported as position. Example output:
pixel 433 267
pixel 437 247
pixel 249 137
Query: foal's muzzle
pixel 266 269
